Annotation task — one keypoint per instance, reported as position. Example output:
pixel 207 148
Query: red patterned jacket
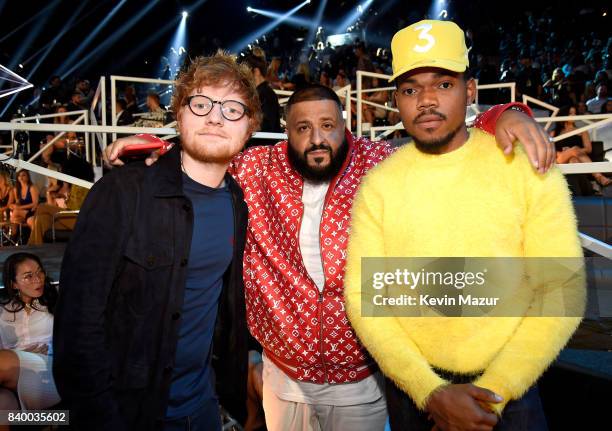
pixel 305 333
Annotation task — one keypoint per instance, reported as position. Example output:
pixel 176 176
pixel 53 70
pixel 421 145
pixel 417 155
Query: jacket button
pixel 151 260
pixel 187 207
pixel 184 261
pixel 176 315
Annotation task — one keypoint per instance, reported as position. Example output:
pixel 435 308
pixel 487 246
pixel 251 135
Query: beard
pixel 215 154
pixel 318 175
pixel 435 145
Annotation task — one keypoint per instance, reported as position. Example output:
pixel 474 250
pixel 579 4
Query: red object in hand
pixel 153 144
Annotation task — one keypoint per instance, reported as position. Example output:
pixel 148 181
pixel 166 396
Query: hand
pixel 37 348
pixel 513 125
pixel 112 152
pixel 458 408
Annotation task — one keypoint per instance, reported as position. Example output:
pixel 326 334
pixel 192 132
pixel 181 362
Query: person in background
pixel 27 304
pixel 5 195
pixel 25 199
pixel 124 117
pixel 576 148
pixel 595 104
pixel 267 98
pixel 67 197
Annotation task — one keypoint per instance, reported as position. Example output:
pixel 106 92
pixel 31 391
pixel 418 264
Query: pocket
pixel 150 256
pixel 145 278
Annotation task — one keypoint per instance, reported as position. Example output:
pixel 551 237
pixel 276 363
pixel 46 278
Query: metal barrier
pixel 82 116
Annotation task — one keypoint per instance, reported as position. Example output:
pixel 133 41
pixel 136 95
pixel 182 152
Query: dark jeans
pixel 208 418
pixel 524 414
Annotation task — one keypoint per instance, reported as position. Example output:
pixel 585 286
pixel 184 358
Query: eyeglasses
pixel 30 277
pixel 231 110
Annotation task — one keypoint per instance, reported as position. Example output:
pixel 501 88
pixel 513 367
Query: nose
pixel 428 99
pixel 316 137
pixel 215 116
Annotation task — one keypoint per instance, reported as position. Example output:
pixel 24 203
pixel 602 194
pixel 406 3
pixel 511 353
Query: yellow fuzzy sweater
pixel 473 201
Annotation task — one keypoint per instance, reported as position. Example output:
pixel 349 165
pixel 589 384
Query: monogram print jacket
pixel 305 333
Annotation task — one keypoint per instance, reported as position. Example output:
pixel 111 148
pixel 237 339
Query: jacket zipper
pixel 322 290
pixel 320 303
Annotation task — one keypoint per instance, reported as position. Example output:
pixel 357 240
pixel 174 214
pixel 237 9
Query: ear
pixel 395 97
pixel 470 88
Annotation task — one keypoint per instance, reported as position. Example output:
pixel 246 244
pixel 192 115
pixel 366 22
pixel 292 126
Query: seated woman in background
pixel 5 194
pixel 27 302
pixel 65 197
pixel 576 148
pixel 25 199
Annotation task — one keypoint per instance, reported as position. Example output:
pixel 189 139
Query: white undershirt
pixel 345 394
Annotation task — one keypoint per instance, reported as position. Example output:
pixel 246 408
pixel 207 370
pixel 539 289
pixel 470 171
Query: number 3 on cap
pixel 424 28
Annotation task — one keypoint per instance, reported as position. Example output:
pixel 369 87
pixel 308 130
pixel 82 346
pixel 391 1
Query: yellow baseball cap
pixel 429 43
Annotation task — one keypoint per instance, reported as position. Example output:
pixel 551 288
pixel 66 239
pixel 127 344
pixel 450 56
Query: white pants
pixel 284 415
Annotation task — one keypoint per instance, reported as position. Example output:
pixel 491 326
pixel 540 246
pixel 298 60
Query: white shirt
pixel 20 330
pixel 284 387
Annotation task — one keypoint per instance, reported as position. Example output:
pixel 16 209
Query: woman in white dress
pixel 27 302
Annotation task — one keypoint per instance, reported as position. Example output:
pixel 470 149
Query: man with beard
pixel 154 273
pixel 452 194
pixel 299 193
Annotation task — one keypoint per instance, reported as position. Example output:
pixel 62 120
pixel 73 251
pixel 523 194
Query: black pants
pixel 524 414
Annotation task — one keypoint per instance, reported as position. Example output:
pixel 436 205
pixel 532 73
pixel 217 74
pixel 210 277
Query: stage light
pixel 185 14
pixel 352 17
pixel 439 10
pixel 295 20
pixel 249 9
pixel 239 45
pixel 20 66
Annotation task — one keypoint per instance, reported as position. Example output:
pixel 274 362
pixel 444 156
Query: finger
pixel 488 419
pixel 533 146
pixel 152 158
pixel 482 394
pixel 117 147
pixel 552 153
pixel 504 141
pixel 550 149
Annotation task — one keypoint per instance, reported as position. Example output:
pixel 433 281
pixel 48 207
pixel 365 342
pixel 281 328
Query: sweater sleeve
pixel 397 355
pixel 549 231
pixel 488 119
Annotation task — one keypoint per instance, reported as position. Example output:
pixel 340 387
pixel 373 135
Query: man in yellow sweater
pixel 452 194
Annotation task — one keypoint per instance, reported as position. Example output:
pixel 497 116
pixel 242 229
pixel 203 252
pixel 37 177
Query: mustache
pixel 211 132
pixel 318 147
pixel 429 112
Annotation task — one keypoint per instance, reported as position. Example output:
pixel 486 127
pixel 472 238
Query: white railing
pixel 114 79
pixel 81 117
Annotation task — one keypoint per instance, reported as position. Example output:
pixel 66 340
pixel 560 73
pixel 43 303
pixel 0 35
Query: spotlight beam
pixel 51 45
pixel 31 36
pixel 238 46
pixel 26 22
pixel 57 38
pixel 154 37
pixel 315 25
pixel 104 46
pixel 291 20
pixel 64 30
pixel 353 16
pixel 89 38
